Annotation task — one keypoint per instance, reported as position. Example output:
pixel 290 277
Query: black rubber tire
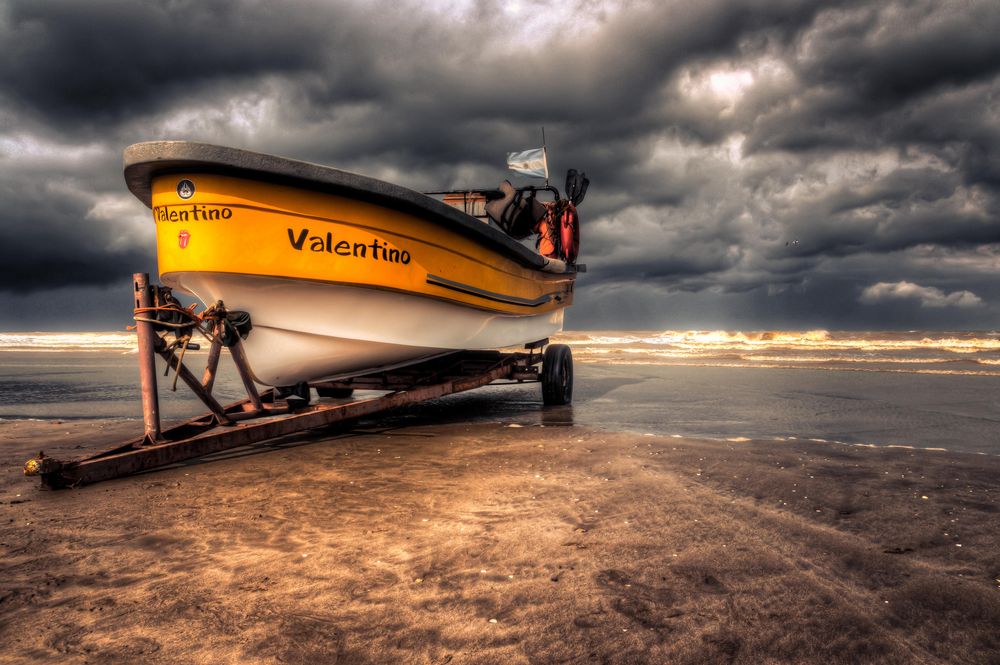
pixel 557 375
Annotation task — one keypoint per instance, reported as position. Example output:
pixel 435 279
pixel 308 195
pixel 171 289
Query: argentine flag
pixel 529 162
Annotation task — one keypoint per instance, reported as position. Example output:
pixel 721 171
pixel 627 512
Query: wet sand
pixel 487 543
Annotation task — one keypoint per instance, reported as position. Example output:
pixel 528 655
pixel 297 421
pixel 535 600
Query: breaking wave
pixel 972 353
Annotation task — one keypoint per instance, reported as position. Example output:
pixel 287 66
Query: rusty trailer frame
pixel 264 416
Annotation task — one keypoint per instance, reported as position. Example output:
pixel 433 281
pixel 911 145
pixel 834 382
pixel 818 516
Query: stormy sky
pixel 755 164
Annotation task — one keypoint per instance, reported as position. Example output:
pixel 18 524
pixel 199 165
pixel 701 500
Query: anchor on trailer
pixel 276 412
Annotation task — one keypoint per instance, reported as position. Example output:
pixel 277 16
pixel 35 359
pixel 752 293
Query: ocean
pixel 920 389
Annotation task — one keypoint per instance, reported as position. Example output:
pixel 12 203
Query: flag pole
pixel 545 158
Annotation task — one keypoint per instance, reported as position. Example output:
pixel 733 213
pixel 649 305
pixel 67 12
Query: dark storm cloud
pixel 53 234
pixel 86 63
pixel 908 207
pixel 757 158
pixel 82 63
pixel 888 52
pixel 877 74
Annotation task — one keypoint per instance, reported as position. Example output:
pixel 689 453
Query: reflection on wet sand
pixel 557 416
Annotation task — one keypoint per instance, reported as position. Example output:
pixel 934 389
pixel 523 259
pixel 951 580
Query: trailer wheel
pixel 557 375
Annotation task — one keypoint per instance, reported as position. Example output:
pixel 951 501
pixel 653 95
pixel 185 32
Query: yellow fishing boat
pixel 341 273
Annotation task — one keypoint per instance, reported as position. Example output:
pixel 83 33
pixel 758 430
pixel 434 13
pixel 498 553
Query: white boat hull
pixel 311 331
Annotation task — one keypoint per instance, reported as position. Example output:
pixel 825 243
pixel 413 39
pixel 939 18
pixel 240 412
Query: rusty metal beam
pixel 212 366
pixel 239 355
pixel 435 370
pixel 194 426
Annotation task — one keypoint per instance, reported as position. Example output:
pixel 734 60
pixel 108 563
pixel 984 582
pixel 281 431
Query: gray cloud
pixel 755 162
pixel 927 296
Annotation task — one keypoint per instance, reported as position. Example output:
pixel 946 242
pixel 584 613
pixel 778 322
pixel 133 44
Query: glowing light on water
pixel 69 341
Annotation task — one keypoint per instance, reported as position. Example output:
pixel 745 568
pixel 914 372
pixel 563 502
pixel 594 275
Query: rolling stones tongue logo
pixel 182 239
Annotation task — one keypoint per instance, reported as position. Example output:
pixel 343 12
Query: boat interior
pixel 517 211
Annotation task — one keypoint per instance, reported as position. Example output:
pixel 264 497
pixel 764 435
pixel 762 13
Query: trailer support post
pixel 147 361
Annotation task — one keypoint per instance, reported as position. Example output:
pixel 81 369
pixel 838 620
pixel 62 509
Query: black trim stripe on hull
pixel 488 295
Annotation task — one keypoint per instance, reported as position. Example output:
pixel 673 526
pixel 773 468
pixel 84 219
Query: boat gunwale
pixel 144 161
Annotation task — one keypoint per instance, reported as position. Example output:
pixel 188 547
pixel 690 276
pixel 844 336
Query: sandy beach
pixel 450 542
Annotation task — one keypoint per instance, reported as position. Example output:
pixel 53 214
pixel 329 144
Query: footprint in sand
pixel 649 606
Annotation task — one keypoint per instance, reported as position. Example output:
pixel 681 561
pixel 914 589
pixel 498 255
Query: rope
pixel 215 322
pixel 195 320
pixel 176 309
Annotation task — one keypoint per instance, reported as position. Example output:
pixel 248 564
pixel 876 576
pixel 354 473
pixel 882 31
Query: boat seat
pixel 515 213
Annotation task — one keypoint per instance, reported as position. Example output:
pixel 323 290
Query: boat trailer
pixel 276 412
